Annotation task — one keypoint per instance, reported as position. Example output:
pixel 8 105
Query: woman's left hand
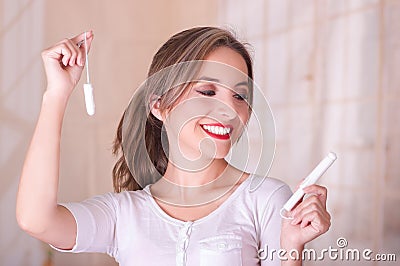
pixel 310 219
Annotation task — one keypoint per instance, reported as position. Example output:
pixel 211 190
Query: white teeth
pixel 217 129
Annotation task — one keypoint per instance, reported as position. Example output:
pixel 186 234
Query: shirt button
pixel 222 246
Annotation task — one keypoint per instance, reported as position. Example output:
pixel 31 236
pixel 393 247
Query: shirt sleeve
pixel 96 222
pixel 270 226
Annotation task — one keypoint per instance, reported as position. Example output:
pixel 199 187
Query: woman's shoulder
pixel 264 189
pixel 117 200
pixel 265 183
pixel 140 195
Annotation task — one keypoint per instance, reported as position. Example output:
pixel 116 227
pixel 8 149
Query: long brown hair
pixel 188 45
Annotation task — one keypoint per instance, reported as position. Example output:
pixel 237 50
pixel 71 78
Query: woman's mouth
pixel 217 130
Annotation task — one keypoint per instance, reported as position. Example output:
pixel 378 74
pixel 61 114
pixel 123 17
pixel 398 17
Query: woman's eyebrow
pixel 243 83
pixel 204 78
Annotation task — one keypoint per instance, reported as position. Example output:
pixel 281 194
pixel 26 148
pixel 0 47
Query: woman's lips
pixel 217 130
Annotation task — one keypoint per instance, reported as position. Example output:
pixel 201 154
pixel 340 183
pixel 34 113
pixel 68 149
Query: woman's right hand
pixel 64 63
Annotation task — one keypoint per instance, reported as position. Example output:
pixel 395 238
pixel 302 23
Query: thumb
pixel 79 40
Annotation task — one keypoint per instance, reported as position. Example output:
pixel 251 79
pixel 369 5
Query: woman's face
pixel 211 115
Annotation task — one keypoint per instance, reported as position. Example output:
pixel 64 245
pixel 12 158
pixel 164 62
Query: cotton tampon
pixel 312 178
pixel 87 87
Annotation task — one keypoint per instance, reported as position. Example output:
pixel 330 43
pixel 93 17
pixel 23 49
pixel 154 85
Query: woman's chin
pixel 219 154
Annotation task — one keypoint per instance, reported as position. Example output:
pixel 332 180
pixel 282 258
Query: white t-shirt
pixel 131 227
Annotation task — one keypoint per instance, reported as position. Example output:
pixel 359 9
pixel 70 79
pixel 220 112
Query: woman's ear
pixel 155 107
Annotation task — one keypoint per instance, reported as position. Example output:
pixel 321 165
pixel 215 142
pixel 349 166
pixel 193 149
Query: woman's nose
pixel 225 108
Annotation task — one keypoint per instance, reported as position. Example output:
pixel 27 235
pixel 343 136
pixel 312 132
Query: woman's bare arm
pixel 37 210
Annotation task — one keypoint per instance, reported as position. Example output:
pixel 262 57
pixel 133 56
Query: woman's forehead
pixel 229 57
pixel 223 74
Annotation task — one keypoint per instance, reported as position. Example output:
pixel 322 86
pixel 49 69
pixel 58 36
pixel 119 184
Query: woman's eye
pixel 241 97
pixel 206 92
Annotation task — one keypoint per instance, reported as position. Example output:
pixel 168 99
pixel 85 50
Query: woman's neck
pixel 185 177
pixel 189 188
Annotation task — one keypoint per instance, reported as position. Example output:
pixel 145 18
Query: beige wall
pixel 21 86
pixel 328 69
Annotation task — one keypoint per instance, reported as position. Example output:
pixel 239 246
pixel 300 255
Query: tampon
pixel 312 178
pixel 88 88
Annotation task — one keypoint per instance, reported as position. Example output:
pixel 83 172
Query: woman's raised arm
pixel 37 210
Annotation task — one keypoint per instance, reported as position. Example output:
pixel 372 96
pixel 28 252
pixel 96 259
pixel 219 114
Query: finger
pixel 80 39
pixel 81 36
pixel 316 222
pixel 320 191
pixel 74 53
pixel 81 57
pixel 309 203
pixel 301 211
pixel 313 216
pixel 62 52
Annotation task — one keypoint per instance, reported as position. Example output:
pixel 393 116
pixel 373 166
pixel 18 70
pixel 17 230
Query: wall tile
pixel 333 7
pixel 151 14
pixel 355 4
pixel 254 13
pixel 277 15
pixel 331 126
pixel 391 116
pixel 359 168
pixel 258 54
pixel 276 72
pixel 391 226
pixel 391 20
pixel 233 18
pixel 302 59
pixel 201 13
pixel 301 12
pixel 283 149
pixel 391 49
pixel 359 125
pixel 104 159
pixel 391 64
pixel 392 166
pixel 362 54
pixel 391 130
pixel 280 168
pixel 282 122
pixel 331 132
pixel 333 67
pixel 302 141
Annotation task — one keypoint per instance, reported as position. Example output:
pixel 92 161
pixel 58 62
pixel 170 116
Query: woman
pixel 178 202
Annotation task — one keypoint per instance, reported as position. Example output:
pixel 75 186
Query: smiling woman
pixel 177 201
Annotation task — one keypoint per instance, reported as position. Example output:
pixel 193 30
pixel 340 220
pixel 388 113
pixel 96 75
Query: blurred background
pixel 329 69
